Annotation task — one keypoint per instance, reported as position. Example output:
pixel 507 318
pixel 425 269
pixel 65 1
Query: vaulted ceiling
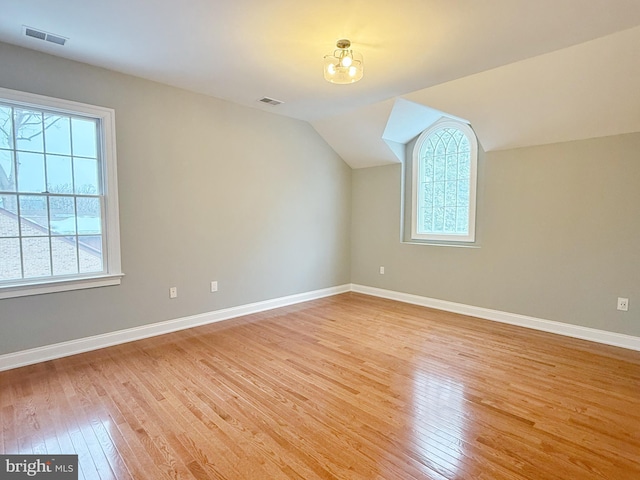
pixel 522 72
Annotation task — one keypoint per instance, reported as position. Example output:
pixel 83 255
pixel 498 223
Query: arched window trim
pixel 473 145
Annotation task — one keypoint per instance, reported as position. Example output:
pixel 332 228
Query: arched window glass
pixel 444 183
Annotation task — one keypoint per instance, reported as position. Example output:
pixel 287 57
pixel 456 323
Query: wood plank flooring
pixel 347 387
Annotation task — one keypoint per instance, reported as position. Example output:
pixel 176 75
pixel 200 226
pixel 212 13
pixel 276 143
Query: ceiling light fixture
pixel 344 65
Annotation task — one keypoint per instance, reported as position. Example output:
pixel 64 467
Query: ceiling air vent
pixel 270 101
pixel 47 37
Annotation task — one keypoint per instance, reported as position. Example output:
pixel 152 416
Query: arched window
pixel 445 161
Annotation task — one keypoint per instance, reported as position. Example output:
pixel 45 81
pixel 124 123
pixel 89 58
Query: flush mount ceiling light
pixel 344 65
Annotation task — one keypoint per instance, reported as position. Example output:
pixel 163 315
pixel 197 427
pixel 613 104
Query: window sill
pixel 53 286
pixel 433 243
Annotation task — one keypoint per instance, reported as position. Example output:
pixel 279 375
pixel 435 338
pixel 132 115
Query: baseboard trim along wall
pixel 64 349
pixel 566 329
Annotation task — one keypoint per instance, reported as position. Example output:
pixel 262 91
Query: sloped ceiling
pixel 588 90
pixel 523 72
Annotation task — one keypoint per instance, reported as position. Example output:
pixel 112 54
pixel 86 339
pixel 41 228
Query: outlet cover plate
pixel 623 304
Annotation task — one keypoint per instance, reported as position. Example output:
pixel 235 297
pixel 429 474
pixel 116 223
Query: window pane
pixel 427 199
pixel 6 127
pixel 465 147
pixel 438 194
pixel 89 217
pixel 450 219
pixel 427 220
pixel 34 218
pixel 63 215
pixel 428 169
pixel 463 193
pixel 452 167
pixel 90 249
pixel 450 194
pixel 84 136
pixel 31 172
pixel 459 137
pixel 7 169
pixel 59 174
pixel 462 220
pixel 28 126
pixel 37 257
pixel 451 143
pixel 10 268
pixel 85 172
pixel 65 255
pixel 464 166
pixel 57 134
pixel 439 165
pixel 438 219
pixel 8 216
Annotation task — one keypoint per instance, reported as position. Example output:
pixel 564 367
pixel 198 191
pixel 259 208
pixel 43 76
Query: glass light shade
pixel 336 71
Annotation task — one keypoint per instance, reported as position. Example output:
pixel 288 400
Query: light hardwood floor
pixel 347 387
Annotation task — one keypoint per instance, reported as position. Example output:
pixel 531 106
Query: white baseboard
pixel 64 349
pixel 566 329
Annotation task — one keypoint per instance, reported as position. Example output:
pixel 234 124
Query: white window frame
pixel 112 273
pixel 473 144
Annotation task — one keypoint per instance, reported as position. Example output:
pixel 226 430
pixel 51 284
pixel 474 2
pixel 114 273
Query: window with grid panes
pixel 444 183
pixel 58 195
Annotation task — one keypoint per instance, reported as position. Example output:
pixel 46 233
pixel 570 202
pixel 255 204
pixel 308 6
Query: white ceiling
pixel 523 72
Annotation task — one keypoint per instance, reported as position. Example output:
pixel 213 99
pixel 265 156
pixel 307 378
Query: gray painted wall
pixel 213 191
pixel 559 231
pixel 208 191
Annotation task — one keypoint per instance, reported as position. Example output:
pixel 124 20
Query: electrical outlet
pixel 381 270
pixel 214 286
pixel 173 292
pixel 623 304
